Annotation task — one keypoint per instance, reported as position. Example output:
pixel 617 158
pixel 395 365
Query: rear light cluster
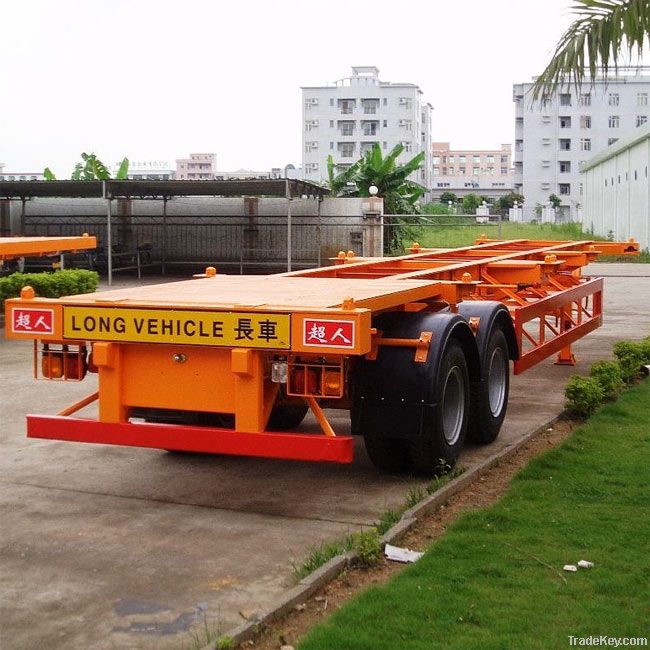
pixel 62 362
pixel 315 378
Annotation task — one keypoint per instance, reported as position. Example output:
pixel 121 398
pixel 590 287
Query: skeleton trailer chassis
pixel 417 348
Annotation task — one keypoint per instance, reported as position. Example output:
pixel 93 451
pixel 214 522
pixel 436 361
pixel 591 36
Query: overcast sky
pixel 156 79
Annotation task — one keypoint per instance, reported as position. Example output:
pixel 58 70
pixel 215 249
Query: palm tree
pixel 602 31
pixel 391 180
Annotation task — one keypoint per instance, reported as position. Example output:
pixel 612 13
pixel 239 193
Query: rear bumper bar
pixel 288 446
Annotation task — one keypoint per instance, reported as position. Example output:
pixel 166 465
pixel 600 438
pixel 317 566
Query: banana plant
pixel 400 194
pixel 91 168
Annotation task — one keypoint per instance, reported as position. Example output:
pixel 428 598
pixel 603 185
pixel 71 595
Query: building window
pixel 614 121
pixel 565 99
pixel 367 146
pixel 613 99
pixel 565 188
pixel 476 158
pixel 346 149
pixel 444 171
pixel 346 127
pixel 370 106
pixel 565 144
pixel 490 159
pixel 406 124
pixel 436 170
pixel 504 171
pixel 490 170
pixel 311 102
pixel 385 123
pixel 347 105
pixel 311 167
pixel 408 145
pixel 311 146
pixel 331 101
pixel 611 141
pixel 565 166
pixel 642 99
pixel 461 159
pixel 585 121
pixel 641 119
pixel 331 124
pixel 585 144
pixel 436 160
pixel 310 125
pixel 405 102
pixel 461 170
pixel 331 145
pixel 451 159
pixel 370 128
pixel 384 144
pixel 565 122
pixel 585 99
pixel 476 171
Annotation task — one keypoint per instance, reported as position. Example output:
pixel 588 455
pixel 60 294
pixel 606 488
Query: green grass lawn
pixel 480 586
pixel 448 232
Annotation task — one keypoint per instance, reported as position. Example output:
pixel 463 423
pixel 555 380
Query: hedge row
pixel 49 285
pixel 607 378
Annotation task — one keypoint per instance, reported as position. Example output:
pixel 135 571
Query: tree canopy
pixel 602 32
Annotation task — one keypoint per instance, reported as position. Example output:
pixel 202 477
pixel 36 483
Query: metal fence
pixel 245 244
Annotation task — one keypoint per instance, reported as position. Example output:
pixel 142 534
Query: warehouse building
pixel 617 193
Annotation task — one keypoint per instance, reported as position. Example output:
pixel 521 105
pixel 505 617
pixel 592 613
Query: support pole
pixel 164 237
pixel 288 195
pixel 23 200
pixel 109 235
pixel 319 231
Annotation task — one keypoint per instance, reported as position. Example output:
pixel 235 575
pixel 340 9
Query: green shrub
pixel 645 350
pixel 367 545
pixel 49 285
pixel 583 395
pixel 630 357
pixel 608 376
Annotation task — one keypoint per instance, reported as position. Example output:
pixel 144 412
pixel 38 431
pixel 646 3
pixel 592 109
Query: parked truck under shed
pixel 417 348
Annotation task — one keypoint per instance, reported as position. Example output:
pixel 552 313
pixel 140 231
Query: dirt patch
pixel 485 491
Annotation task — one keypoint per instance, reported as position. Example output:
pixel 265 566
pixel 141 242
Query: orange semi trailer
pixel 417 348
pixel 15 247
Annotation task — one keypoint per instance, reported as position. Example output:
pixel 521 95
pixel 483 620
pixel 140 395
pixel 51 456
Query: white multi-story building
pixel 150 170
pixel 19 176
pixel 346 118
pixel 552 140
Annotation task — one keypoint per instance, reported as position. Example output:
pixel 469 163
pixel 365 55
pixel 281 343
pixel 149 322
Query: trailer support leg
pixel 565 357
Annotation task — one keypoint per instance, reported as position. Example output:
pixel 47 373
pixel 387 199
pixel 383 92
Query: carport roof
pixel 114 189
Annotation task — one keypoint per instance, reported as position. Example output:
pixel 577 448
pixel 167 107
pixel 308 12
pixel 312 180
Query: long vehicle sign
pixel 232 329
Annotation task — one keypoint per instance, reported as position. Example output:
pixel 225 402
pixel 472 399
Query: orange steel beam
pixel 13 247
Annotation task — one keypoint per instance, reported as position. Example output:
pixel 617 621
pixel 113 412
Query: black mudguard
pixel 490 312
pixel 393 395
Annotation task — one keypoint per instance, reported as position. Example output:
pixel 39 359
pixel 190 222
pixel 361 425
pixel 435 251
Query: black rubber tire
pixel 285 417
pixel 443 435
pixel 388 454
pixel 486 419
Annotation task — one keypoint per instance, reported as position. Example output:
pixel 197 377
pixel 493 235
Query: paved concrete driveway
pixel 104 547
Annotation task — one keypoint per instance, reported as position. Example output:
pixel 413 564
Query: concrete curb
pixel 319 578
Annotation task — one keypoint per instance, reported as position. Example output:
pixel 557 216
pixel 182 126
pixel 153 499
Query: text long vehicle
pixel 232 329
